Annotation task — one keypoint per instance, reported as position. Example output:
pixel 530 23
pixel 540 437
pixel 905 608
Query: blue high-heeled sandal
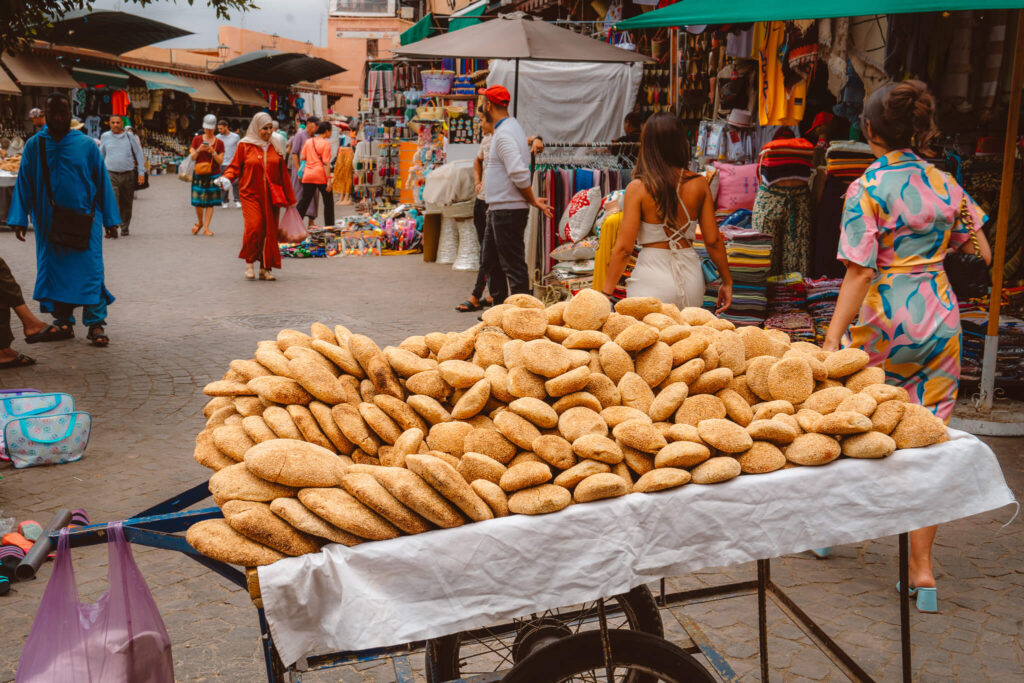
pixel 927 599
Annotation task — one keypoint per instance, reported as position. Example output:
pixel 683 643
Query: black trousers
pixel 309 195
pixel 503 255
pixel 480 223
pixel 10 297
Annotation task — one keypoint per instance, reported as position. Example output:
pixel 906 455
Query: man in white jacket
pixel 509 198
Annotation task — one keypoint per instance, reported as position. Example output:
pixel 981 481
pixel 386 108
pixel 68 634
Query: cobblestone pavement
pixel 184 311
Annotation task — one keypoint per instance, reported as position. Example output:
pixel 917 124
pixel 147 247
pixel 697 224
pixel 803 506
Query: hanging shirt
pixel 119 103
pixel 79 181
pixel 777 106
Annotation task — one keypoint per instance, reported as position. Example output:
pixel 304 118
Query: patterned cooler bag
pixel 47 439
pixel 18 403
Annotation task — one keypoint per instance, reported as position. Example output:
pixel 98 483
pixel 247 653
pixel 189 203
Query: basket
pixel 437 81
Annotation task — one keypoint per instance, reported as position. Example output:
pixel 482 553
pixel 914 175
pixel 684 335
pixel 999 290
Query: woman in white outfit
pixel 662 208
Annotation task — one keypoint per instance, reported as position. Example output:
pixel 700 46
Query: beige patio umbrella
pixel 518 36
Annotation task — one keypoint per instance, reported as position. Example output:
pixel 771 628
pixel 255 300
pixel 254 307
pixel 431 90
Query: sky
pixel 298 19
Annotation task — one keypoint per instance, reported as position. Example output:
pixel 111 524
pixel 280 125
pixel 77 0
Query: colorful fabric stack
pixel 1010 351
pixel 787 307
pixel 821 303
pixel 848 160
pixel 785 160
pixel 749 253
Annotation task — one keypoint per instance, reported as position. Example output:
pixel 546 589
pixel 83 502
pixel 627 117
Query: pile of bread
pixel 327 438
pixel 11 164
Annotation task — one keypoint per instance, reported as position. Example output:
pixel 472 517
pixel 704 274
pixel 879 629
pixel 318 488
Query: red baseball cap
pixel 823 118
pixel 497 94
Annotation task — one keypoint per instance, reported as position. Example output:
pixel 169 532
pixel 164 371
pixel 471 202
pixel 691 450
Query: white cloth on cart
pixel 436 583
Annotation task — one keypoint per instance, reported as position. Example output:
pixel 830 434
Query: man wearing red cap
pixel 509 198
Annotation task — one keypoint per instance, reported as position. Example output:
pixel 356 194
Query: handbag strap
pixel 46 171
pixel 968 220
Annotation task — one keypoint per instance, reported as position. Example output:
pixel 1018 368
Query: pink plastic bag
pixel 290 228
pixel 118 639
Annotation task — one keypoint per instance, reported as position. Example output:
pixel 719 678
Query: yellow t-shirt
pixel 776 105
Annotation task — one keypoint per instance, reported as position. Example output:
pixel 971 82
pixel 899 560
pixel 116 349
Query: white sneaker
pixel 238 205
pixel 224 205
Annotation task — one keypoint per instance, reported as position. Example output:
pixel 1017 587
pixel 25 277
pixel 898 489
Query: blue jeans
pixel 92 314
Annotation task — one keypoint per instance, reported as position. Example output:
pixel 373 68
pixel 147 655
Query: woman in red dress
pixel 259 166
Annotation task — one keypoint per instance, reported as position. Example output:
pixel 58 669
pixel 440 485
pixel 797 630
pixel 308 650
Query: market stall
pixel 969 53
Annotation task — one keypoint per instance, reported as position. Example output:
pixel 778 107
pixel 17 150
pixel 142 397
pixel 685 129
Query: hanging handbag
pixel 47 439
pixel 967 273
pixel 709 270
pixel 119 638
pixel 68 228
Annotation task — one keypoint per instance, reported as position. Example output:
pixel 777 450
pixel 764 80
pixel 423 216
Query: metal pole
pixel 515 94
pixel 763 577
pixel 988 367
pixel 904 542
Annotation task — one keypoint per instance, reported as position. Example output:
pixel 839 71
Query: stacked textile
pixel 1010 351
pixel 786 159
pixel 749 253
pixel 821 303
pixel 848 160
pixel 787 307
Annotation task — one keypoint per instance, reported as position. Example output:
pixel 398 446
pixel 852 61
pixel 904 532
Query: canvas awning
pixel 696 12
pixel 205 91
pixel 424 28
pixel 244 95
pixel 467 16
pixel 159 80
pixel 7 84
pixel 110 32
pixel 95 75
pixel 38 71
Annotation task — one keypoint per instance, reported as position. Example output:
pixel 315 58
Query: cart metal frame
pixel 162 526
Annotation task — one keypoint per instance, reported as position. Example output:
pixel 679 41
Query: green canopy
pixel 467 18
pixel 696 12
pixel 159 80
pixel 94 75
pixel 424 28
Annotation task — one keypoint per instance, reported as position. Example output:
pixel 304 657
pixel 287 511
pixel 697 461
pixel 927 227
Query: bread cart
pixel 445 591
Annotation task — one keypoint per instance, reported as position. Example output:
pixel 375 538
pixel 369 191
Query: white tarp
pixel 416 587
pixel 570 101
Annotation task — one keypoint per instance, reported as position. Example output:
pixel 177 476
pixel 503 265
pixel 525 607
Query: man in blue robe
pixel 66 278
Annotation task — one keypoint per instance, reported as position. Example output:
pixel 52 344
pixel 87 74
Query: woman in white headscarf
pixel 264 188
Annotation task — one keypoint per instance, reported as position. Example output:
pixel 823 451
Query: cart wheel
pixel 580 657
pixel 498 648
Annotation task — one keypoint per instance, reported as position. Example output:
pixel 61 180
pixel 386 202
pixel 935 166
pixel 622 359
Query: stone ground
pixel 184 311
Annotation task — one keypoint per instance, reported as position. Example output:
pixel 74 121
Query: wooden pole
pixel 673 69
pixel 1006 189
